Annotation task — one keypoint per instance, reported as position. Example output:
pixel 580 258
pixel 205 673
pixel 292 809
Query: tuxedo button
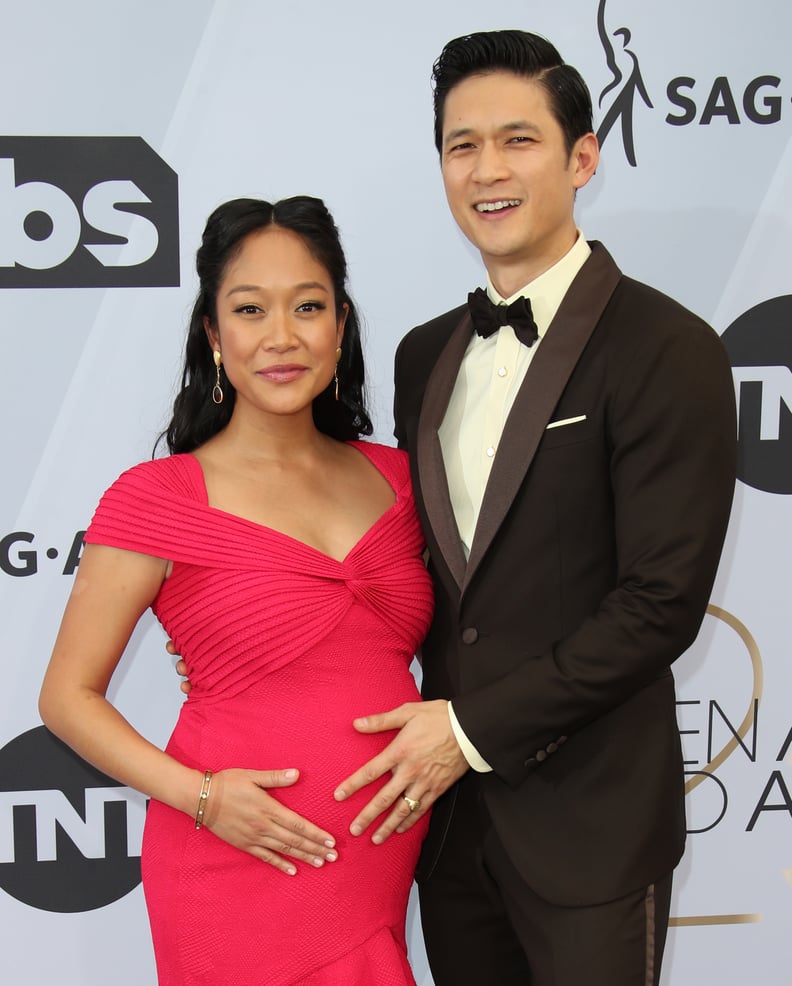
pixel 469 635
pixel 561 740
pixel 541 755
pixel 502 371
pixel 552 747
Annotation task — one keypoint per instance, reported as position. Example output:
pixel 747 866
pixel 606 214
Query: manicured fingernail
pixel 331 857
pixel 290 774
pixel 376 839
pixel 361 723
pixel 355 829
pixel 340 794
pixel 330 843
pixel 291 871
pixel 318 862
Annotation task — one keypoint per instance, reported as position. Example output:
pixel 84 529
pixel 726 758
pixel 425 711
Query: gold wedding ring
pixel 412 803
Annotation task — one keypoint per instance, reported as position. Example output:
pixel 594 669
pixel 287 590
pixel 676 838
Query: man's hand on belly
pixel 424 760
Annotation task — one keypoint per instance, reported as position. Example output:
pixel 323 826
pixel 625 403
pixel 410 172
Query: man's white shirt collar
pixel 546 292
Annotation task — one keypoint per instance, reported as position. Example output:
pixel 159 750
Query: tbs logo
pixel 82 212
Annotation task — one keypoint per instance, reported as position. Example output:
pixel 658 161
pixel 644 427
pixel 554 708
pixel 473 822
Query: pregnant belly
pixel 306 724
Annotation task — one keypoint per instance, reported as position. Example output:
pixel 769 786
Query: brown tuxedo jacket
pixel 589 574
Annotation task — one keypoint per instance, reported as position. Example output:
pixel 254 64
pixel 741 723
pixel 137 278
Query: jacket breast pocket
pixel 567 430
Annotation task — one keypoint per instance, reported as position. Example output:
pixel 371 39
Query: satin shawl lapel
pixel 431 468
pixel 544 383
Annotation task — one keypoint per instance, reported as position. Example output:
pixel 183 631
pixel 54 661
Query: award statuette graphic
pixel 622 107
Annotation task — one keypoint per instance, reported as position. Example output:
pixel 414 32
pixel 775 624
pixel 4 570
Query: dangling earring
pixel 335 375
pixel 217 390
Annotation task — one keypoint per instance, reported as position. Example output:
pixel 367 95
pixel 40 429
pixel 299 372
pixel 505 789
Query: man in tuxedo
pixel 573 456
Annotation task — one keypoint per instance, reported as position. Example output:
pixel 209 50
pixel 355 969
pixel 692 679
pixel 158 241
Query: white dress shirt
pixel 489 379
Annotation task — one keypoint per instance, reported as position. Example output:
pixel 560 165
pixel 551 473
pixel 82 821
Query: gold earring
pixel 335 375
pixel 217 390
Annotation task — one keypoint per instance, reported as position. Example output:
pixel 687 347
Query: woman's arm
pixel 112 589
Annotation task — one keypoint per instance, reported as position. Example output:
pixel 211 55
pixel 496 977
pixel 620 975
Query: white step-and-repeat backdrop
pixel 124 125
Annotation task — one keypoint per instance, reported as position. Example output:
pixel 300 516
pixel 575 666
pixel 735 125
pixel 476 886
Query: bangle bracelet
pixel 205 789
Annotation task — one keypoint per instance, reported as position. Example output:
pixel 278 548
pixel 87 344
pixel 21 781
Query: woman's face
pixel 277 328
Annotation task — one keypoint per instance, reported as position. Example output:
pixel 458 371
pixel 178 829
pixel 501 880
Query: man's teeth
pixel 496 206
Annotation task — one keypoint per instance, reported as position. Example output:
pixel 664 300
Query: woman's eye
pixel 311 306
pixel 247 309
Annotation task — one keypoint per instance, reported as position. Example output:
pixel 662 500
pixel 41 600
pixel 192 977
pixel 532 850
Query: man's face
pixel 509 180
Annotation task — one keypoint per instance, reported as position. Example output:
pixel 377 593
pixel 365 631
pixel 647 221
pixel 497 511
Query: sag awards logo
pixel 688 99
pixel 70 837
pixel 83 212
pixel 759 344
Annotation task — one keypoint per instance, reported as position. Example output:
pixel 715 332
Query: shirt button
pixel 502 371
pixel 491 451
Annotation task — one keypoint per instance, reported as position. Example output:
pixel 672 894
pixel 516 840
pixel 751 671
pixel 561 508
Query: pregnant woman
pixel 282 555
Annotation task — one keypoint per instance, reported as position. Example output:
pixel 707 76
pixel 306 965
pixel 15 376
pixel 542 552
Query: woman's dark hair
pixel 196 418
pixel 523 54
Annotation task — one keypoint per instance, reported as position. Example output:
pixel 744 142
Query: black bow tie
pixel 488 317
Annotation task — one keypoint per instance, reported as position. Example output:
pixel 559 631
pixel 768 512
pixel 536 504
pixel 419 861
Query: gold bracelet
pixel 206 787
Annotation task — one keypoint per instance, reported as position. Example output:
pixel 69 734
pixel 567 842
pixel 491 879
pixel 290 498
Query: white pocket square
pixel 565 421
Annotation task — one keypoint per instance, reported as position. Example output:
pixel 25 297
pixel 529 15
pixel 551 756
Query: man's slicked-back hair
pixel 524 54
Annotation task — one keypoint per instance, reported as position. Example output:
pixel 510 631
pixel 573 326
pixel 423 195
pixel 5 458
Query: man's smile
pixel 497 206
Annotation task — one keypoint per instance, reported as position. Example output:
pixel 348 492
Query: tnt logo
pixel 70 836
pixel 759 344
pixel 86 212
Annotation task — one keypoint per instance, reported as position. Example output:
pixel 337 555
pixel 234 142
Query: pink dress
pixel 286 647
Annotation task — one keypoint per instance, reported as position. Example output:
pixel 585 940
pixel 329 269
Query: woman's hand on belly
pixel 241 811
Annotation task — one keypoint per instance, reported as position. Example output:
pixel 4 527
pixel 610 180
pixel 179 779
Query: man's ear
pixel 584 159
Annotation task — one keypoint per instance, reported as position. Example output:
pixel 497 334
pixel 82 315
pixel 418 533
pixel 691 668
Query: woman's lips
pixel 282 374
